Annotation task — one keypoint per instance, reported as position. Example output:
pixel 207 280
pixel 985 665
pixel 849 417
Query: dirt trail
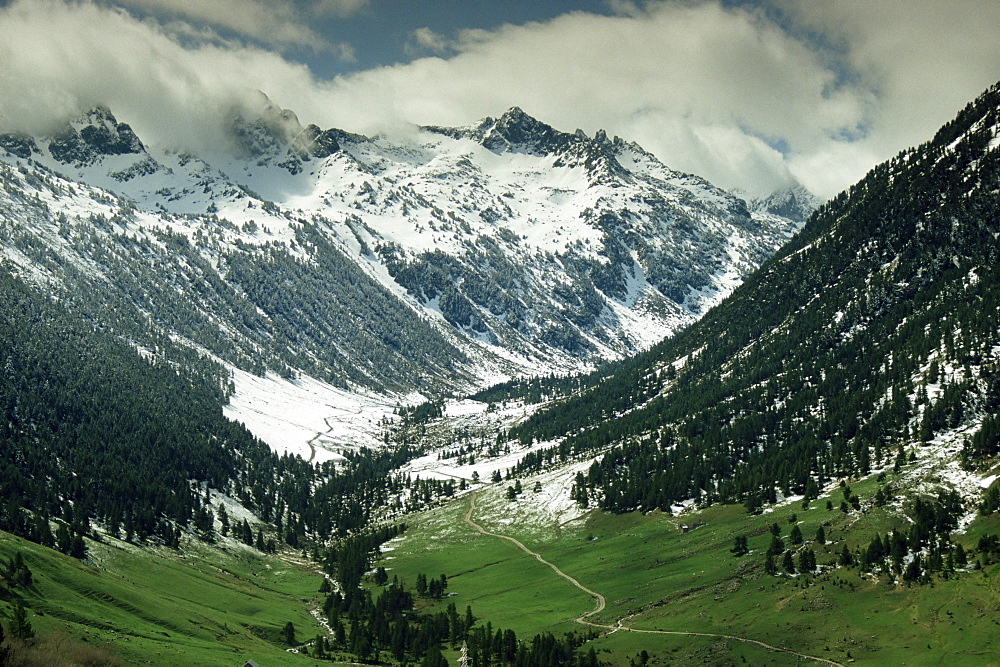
pixel 600 602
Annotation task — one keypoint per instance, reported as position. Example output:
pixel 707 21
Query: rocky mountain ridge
pixel 496 249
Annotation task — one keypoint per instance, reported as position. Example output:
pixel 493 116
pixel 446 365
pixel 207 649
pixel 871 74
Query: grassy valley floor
pixel 678 574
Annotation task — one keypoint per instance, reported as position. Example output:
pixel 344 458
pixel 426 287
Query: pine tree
pixel 20 625
pixel 288 633
pixel 787 563
pixel 846 558
pixel 820 535
pixel 961 559
pixel 807 560
pixel 740 547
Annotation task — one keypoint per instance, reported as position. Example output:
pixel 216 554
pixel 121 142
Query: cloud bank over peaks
pixel 64 58
pixel 752 95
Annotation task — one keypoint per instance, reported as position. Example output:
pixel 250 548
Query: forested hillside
pixel 99 438
pixel 876 328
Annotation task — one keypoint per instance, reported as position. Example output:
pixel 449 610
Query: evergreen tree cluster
pixel 365 621
pixel 911 553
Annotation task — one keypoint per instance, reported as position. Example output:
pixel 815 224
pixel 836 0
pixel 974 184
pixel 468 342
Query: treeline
pixel 533 390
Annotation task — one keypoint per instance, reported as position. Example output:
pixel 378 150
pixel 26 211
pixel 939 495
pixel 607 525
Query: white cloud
pixel 425 41
pixel 340 8
pixel 734 94
pixel 920 60
pixel 272 22
pixel 685 80
pixel 60 59
pixel 746 97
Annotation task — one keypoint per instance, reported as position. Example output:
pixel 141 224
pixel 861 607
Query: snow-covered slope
pixel 439 261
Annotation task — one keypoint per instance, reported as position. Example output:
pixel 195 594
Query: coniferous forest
pixel 872 328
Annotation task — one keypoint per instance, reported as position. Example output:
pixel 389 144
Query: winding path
pixel 598 598
pixel 600 602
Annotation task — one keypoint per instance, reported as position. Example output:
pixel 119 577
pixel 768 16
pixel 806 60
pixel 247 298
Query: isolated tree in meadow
pixel 820 535
pixel 961 559
pixel 740 547
pixel 795 536
pixel 769 566
pixel 776 546
pixel 288 633
pixel 845 557
pixel 807 560
pixel 20 626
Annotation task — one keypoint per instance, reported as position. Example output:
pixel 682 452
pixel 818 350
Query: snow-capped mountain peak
pixel 88 138
pixel 512 246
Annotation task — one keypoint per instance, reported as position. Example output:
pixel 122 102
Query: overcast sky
pixel 750 94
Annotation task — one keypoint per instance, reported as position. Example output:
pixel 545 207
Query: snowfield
pixel 308 417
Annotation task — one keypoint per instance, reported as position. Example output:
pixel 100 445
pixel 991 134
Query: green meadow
pixel 205 607
pixel 658 573
pixel 678 574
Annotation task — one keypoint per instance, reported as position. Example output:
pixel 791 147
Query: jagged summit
pixel 91 136
pixel 518 132
pixel 266 133
pixel 258 131
pixel 795 203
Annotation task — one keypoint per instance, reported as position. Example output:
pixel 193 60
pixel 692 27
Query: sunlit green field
pixel 206 607
pixel 678 574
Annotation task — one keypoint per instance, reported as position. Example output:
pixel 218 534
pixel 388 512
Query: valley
pixel 497 394
pixel 671 585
